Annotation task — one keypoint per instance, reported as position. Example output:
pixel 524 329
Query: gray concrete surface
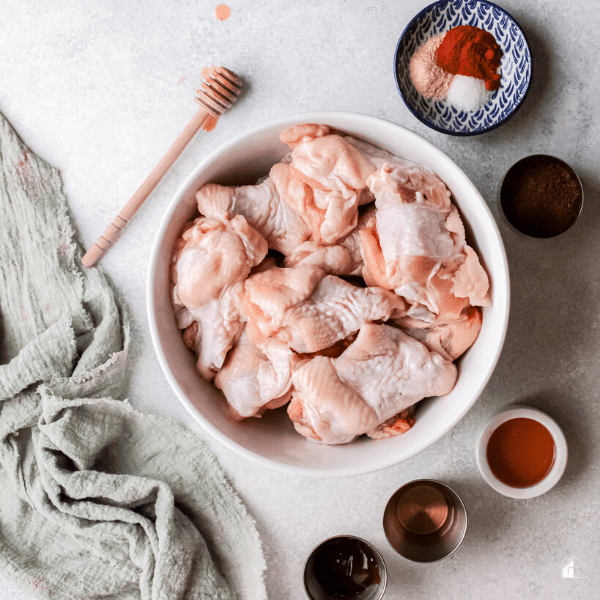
pixel 93 88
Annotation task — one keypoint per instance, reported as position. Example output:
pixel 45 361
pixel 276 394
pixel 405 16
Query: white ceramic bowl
pixel 519 411
pixel 272 440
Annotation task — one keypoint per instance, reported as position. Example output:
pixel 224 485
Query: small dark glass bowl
pixel 312 586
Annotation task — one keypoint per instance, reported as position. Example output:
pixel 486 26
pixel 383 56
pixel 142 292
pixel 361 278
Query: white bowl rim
pixel 385 461
pixel 515 411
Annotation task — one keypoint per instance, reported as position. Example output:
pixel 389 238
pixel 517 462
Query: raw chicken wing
pixel 416 246
pixel 343 258
pixel 309 310
pixel 282 227
pixel 448 339
pixel 213 254
pixel 325 182
pixel 212 260
pixel 256 379
pixel 381 374
pixel 397 425
pixel 212 329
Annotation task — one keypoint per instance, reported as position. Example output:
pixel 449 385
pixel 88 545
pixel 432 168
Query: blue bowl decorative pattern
pixel 515 65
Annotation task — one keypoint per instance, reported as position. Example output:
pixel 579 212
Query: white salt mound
pixel 468 93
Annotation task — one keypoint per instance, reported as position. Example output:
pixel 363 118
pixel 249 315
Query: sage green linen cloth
pixel 97 500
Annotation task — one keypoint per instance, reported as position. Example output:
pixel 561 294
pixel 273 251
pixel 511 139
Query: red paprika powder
pixel 471 51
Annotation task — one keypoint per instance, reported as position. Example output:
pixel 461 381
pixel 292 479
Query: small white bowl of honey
pixel 521 451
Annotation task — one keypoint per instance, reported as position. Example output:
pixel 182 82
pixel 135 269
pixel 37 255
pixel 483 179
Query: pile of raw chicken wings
pixel 341 285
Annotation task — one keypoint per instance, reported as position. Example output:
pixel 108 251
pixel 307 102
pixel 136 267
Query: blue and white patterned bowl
pixel 515 65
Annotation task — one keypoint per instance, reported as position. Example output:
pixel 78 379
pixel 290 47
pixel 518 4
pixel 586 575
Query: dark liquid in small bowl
pixel 343 568
pixel 521 452
pixel 541 196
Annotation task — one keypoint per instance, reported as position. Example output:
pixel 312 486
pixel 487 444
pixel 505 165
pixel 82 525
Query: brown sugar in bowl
pixel 541 196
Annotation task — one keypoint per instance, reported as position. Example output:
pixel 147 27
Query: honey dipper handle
pixel 112 233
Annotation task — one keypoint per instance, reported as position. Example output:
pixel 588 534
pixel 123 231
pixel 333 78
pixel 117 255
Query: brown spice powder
pixel 541 196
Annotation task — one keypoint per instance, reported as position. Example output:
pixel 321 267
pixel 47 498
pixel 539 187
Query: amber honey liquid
pixel 521 452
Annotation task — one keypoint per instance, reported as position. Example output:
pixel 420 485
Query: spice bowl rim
pixel 505 219
pixel 378 555
pixel 422 118
pixel 460 505
pixel 515 411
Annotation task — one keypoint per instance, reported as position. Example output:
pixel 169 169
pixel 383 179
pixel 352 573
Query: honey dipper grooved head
pixel 219 90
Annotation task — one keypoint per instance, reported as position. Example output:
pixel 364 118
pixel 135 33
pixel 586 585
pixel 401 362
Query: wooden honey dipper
pixel 216 94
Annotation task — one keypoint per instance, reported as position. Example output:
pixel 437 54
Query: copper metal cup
pixel 425 520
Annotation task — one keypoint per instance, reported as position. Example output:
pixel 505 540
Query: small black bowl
pixel 346 567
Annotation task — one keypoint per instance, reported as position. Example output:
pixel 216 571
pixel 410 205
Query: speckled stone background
pixel 92 87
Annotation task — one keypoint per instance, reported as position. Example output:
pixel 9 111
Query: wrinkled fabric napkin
pixel 97 500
